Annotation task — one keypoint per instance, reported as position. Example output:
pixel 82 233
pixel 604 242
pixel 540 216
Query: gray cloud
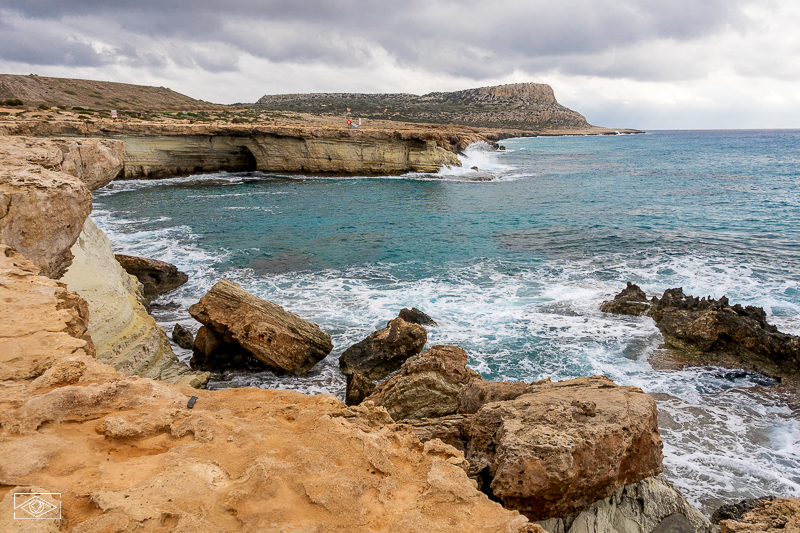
pixel 470 39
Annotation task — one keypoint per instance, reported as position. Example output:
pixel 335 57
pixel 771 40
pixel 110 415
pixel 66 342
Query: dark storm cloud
pixel 472 39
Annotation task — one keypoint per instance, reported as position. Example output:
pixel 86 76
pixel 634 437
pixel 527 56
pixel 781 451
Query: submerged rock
pixel 281 340
pixel 384 350
pixel 415 316
pixel 183 337
pixel 631 301
pixel 157 277
pixel 427 385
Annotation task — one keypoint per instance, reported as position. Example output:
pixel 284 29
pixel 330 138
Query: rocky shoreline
pixel 95 406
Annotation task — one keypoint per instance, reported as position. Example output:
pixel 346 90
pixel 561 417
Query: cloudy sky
pixel 622 63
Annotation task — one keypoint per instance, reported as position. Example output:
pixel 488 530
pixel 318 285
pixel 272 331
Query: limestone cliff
pixel 125 335
pixel 127 454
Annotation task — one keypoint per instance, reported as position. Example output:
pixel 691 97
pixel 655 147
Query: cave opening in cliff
pixel 245 160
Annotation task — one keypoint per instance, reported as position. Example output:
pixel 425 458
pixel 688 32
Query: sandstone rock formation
pixel 631 301
pixel 561 446
pixel 716 331
pixel 28 191
pixel 383 351
pixel 415 316
pixel 735 511
pixel 127 455
pixel 650 505
pixel 781 515
pixel 427 385
pixel 183 337
pixel 125 335
pixel 281 340
pixel 157 277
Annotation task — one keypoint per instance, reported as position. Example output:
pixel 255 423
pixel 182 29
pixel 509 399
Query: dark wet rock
pixel 415 316
pixel 212 353
pixel 427 385
pixel 384 350
pixel 709 326
pixel 735 511
pixel 156 277
pixel 631 301
pixel 240 321
pixel 182 337
pixel 358 388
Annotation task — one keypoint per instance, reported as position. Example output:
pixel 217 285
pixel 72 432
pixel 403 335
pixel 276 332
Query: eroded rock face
pixel 127 455
pixel 125 335
pixel 182 337
pixel 427 385
pixel 781 515
pixel 631 301
pixel 384 351
pixel 281 340
pixel 26 193
pixel 358 388
pixel 561 446
pixel 157 277
pixel 648 506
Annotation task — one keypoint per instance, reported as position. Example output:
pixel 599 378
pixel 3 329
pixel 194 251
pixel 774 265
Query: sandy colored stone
pixel 280 339
pixel 781 515
pixel 125 335
pixel 127 455
pixel 427 384
pixel 562 446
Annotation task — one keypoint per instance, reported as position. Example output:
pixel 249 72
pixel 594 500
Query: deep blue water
pixel 515 269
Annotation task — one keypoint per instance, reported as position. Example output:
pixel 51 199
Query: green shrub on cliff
pixel 13 102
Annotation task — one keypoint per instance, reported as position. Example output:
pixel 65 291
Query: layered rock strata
pixel 234 319
pixel 157 277
pixel 127 454
pixel 715 330
pixel 125 335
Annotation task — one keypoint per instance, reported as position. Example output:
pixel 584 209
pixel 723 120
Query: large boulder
pixel 631 301
pixel 384 350
pixel 561 446
pixel 427 385
pixel 415 316
pixel 281 340
pixel 358 388
pixel 26 193
pixel 157 277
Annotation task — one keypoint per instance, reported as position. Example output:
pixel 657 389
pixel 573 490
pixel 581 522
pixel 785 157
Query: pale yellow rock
pixel 125 335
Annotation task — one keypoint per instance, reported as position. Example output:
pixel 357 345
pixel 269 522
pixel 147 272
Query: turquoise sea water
pixel 514 270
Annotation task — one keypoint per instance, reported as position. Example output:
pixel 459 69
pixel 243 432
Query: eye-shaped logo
pixel 37 506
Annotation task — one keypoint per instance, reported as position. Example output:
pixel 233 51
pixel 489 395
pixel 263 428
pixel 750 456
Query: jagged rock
pixel 182 337
pixel 735 511
pixel 771 516
pixel 708 326
pixel 93 161
pixel 427 385
pixel 450 429
pixel 358 388
pixel 562 446
pixel 281 340
pixel 415 316
pixel 127 455
pixel 28 191
pixel 384 350
pixel 125 335
pixel 477 393
pixel 631 301
pixel 157 277
pixel 648 506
